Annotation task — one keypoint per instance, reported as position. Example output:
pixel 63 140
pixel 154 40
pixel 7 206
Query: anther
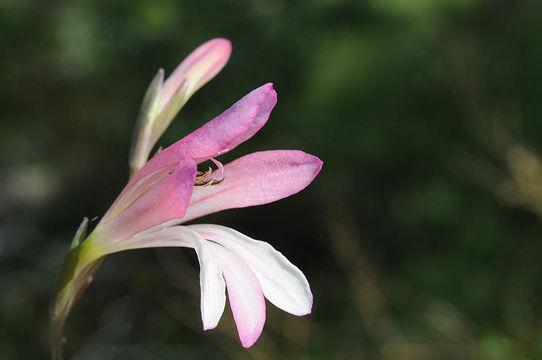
pixel 218 182
pixel 200 175
pixel 204 179
pixel 204 183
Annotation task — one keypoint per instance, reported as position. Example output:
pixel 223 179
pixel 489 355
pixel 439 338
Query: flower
pixel 169 191
pixel 163 100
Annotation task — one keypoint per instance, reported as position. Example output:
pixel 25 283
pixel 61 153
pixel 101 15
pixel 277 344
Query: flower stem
pixel 76 274
pixel 56 339
pixel 73 281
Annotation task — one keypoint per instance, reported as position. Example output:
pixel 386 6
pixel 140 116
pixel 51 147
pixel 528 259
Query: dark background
pixel 421 237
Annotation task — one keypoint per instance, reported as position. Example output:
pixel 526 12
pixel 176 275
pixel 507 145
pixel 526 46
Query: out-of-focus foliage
pixel 421 238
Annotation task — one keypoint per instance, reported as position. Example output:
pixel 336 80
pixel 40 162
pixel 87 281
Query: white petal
pixel 282 282
pixel 245 293
pixel 213 292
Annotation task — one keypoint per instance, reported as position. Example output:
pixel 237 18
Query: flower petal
pixel 282 283
pixel 134 189
pixel 166 200
pixel 198 68
pixel 213 292
pixel 255 179
pixel 234 126
pixel 245 293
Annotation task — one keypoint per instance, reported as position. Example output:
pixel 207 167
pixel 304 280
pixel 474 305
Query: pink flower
pixel 169 191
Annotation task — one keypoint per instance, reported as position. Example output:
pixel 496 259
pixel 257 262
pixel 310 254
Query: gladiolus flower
pixel 169 191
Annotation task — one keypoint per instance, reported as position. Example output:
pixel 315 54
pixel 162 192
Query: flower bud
pixel 164 100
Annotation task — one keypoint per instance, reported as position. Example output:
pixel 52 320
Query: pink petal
pixel 234 126
pixel 198 68
pixel 246 298
pixel 282 283
pixel 256 179
pixel 135 188
pixel 164 201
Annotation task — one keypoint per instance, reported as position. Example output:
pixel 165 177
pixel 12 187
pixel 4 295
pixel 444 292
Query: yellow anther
pixel 204 184
pixel 204 179
pixel 205 174
pixel 218 182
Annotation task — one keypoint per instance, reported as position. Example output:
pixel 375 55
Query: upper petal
pixel 198 68
pixel 255 179
pixel 282 282
pixel 234 126
pixel 231 128
pixel 245 293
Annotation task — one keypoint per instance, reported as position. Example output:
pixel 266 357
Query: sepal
pixel 80 234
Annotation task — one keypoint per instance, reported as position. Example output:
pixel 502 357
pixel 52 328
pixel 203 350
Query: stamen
pixel 218 182
pixel 200 175
pixel 204 183
pixel 204 179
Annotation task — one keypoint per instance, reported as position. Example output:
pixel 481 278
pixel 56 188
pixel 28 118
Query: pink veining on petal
pixel 198 68
pixel 244 293
pixel 164 201
pixel 234 126
pixel 256 179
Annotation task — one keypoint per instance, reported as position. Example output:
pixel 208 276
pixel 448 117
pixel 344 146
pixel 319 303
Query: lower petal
pixel 245 293
pixel 213 293
pixel 282 282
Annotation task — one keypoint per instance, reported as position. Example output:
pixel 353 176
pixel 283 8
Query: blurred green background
pixel 421 237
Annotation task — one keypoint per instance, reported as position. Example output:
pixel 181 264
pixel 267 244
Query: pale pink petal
pixel 135 188
pixel 198 68
pixel 166 200
pixel 234 126
pixel 213 294
pixel 255 179
pixel 282 283
pixel 245 294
